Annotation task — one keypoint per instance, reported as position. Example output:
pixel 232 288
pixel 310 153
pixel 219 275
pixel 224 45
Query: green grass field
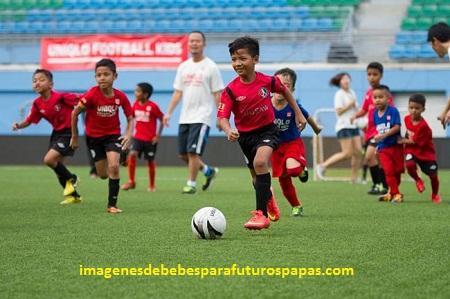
pixel 397 251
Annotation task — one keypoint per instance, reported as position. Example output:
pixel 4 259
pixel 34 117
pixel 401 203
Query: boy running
pixel 386 119
pixel 101 104
pixel 145 138
pixel 288 160
pixel 55 108
pixel 419 147
pixel 248 97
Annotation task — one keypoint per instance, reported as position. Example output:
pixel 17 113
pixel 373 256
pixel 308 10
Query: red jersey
pixel 250 102
pixel 423 147
pixel 102 117
pixel 145 116
pixel 56 110
pixel 369 107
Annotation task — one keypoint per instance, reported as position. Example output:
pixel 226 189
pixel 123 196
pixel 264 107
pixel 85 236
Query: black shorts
pixel 347 133
pixel 370 142
pixel 144 148
pixel 60 142
pixel 427 167
pixel 251 141
pixel 192 138
pixel 98 146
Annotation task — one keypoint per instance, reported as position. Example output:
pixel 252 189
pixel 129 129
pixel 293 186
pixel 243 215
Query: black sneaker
pixel 303 177
pixel 374 190
pixel 210 178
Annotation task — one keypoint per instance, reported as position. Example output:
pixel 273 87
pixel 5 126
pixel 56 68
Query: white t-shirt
pixel 341 99
pixel 197 81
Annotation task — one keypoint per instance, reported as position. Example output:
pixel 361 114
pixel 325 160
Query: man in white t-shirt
pixel 439 37
pixel 198 84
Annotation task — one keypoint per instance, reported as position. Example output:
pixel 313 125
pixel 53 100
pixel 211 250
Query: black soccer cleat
pixel 304 176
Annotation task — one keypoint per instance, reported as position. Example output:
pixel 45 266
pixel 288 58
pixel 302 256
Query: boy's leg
pixel 411 167
pixel 132 158
pixel 263 179
pixel 391 176
pixel 151 165
pixel 67 180
pixel 431 169
pixel 289 190
pixel 113 161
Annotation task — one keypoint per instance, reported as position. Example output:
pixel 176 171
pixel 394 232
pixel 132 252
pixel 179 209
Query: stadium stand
pixel 166 16
pixel 411 42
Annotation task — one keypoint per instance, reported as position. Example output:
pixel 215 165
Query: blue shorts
pixel 347 133
pixel 192 138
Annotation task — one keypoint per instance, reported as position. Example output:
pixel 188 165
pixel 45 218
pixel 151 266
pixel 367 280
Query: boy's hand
pixel 125 141
pixel 352 119
pixel 444 118
pixel 378 137
pixel 233 135
pixel 74 142
pixel 155 139
pixel 301 121
pixel 15 126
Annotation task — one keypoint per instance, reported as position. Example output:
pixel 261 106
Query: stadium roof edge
pixel 272 66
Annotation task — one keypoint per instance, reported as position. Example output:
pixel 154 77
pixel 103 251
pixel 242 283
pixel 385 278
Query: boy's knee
pixel 259 164
pixel 114 169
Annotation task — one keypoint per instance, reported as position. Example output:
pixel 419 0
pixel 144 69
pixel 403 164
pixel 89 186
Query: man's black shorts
pixel 427 167
pixel 144 148
pixel 251 141
pixel 192 138
pixel 60 142
pixel 98 146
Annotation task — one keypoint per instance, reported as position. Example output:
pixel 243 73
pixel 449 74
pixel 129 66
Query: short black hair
pixel 109 63
pixel 199 32
pixel 382 87
pixel 376 66
pixel 418 98
pixel 289 72
pixel 244 42
pixel 146 88
pixel 336 80
pixel 46 73
pixel 440 31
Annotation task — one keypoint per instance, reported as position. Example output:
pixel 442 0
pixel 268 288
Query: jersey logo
pixel 117 101
pixel 57 107
pixel 388 117
pixel 42 111
pixel 263 92
pixel 148 108
pixel 241 98
pixel 289 114
pixel 266 140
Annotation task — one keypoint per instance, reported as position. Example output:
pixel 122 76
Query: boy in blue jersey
pixel 288 160
pixel 387 122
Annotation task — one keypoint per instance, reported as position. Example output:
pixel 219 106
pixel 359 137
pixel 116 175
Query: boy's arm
pixel 445 115
pixel 176 97
pixel 20 125
pixel 74 124
pixel 314 125
pixel 392 131
pixel 160 130
pixel 126 138
pixel 232 134
pixel 358 114
pixel 299 117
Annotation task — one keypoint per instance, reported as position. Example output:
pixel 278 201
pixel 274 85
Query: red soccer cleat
pixel 114 210
pixel 258 221
pixel 272 209
pixel 128 185
pixel 436 198
pixel 420 186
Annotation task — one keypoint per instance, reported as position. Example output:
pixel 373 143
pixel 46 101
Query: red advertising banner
pixel 128 51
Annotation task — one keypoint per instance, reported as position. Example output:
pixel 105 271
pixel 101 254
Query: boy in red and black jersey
pixel 55 108
pixel 249 98
pixel 145 138
pixel 419 147
pixel 101 104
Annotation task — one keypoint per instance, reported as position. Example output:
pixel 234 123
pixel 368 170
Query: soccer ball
pixel 208 223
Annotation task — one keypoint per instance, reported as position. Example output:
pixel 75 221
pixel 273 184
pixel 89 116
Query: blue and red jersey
pixel 285 121
pixel 384 123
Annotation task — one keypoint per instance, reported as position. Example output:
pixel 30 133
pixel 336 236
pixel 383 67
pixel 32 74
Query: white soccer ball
pixel 208 223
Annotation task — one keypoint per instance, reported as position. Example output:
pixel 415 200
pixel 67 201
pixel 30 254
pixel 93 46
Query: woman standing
pixel 347 132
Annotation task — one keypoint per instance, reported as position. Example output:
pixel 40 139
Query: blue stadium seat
pixel 295 24
pixel 264 25
pixel 280 24
pixel 235 25
pixel 149 25
pixel 396 51
pixel 135 26
pixel 221 25
pixel 310 24
pixel 324 24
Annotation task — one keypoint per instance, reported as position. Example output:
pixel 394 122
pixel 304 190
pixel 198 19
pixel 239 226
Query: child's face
pixel 415 109
pixel 139 94
pixel 374 77
pixel 41 83
pixel 380 98
pixel 287 81
pixel 105 77
pixel 243 63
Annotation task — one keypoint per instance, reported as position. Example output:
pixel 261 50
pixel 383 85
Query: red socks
pixel 151 173
pixel 289 190
pixel 131 168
